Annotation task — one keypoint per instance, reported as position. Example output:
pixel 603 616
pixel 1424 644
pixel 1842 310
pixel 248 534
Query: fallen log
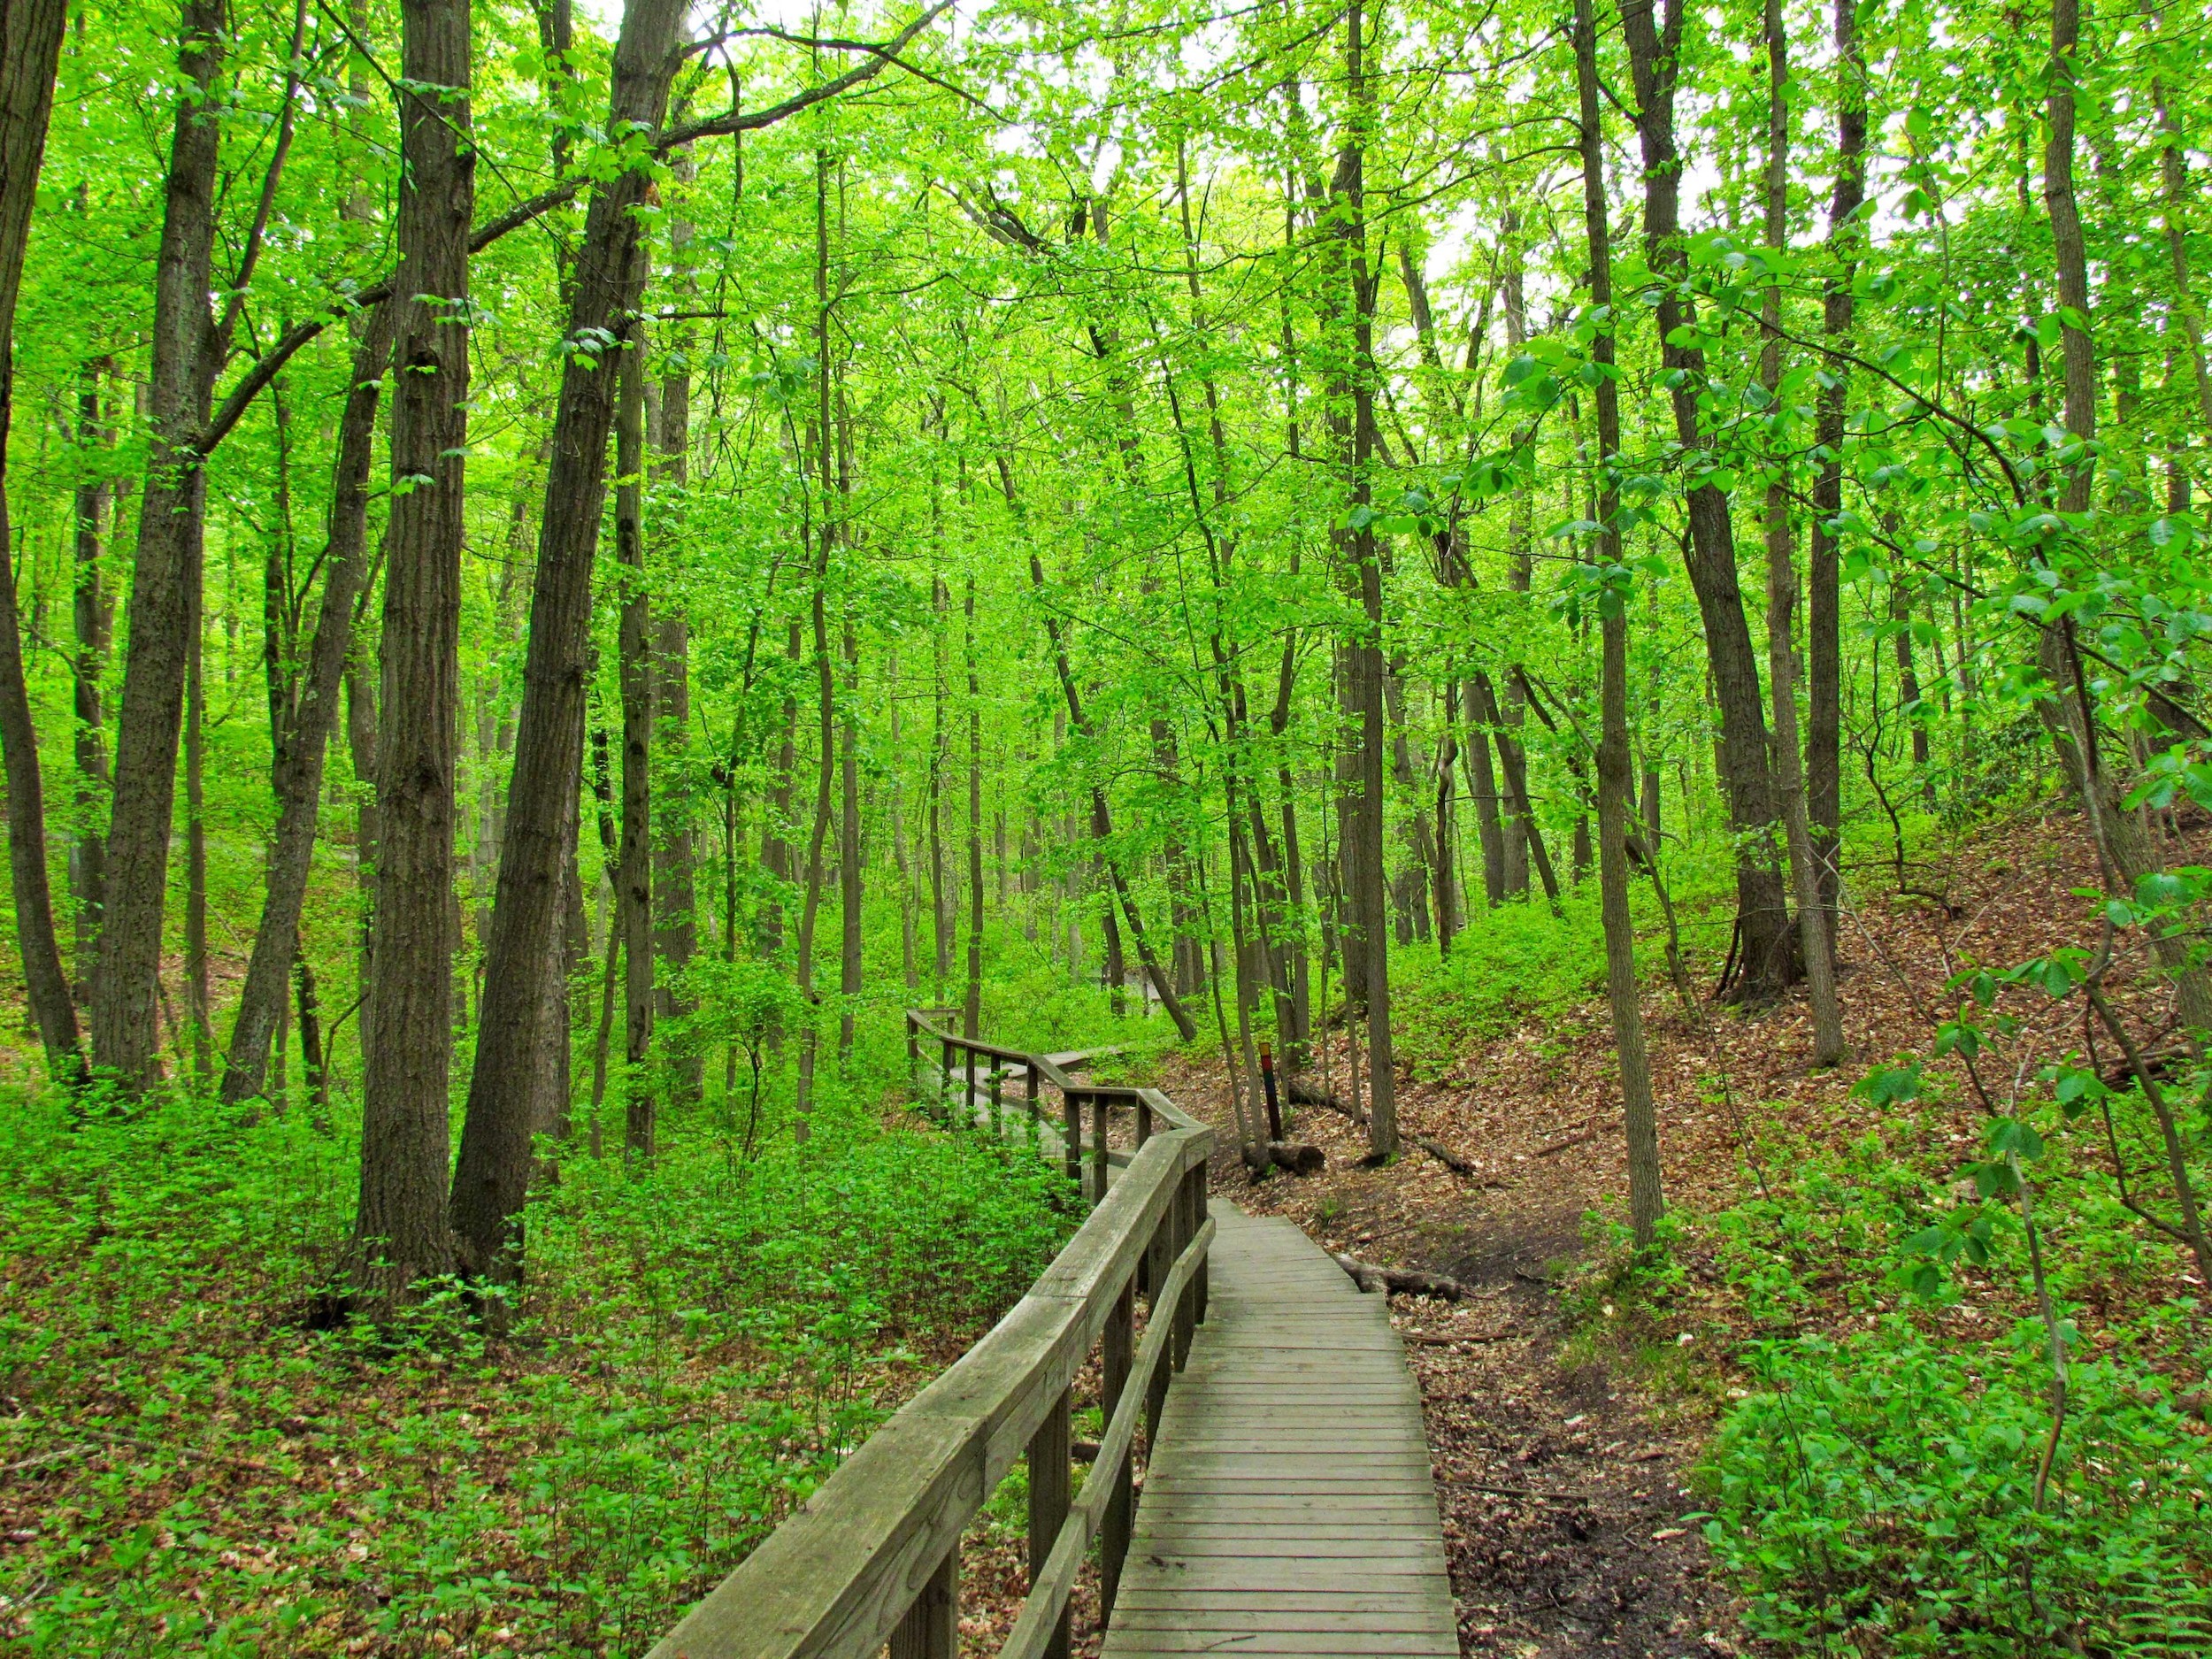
pixel 1297 1157
pixel 1371 1276
pixel 1305 1095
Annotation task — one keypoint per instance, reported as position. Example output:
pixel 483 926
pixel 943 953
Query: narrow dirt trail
pixel 1562 1485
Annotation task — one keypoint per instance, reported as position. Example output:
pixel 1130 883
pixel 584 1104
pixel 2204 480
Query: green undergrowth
pixel 1867 1329
pixel 196 1468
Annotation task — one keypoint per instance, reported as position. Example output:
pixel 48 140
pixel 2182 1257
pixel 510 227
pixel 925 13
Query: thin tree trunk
pixel 299 763
pixel 1823 732
pixel 1367 652
pixel 972 1002
pixel 1645 1200
pixel 848 870
pixel 1768 958
pixel 1812 914
pixel 676 847
pixel 507 1104
pixel 92 621
pixel 126 990
pixel 939 747
pixel 401 1229
pixel 2123 843
pixel 824 674
pixel 634 878
pixel 195 990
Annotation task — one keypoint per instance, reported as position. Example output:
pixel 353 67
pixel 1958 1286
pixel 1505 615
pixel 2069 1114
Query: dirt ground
pixel 1564 1476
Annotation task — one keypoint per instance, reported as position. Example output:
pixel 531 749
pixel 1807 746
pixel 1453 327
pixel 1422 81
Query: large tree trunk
pixel 1812 914
pixel 506 1103
pixel 30 49
pixel 401 1229
pixel 1824 726
pixel 297 773
pixel 634 864
pixel 126 996
pixel 1767 958
pixel 1639 1118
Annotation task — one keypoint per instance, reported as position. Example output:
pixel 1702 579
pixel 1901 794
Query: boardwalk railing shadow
pixel 872 1557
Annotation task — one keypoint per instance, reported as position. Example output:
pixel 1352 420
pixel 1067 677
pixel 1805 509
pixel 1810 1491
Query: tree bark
pixel 2123 843
pixel 1645 1193
pixel 1804 861
pixel 92 617
pixel 1366 652
pixel 676 851
pixel 30 50
pixel 1824 728
pixel 1767 955
pixel 506 1106
pixel 634 867
pixel 401 1229
pixel 127 992
pixel 298 772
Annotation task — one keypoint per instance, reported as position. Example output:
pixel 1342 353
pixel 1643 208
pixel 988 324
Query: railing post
pixel 1144 1121
pixel 1192 1218
pixel 1072 1133
pixel 1117 1349
pixel 1197 1178
pixel 998 1118
pixel 944 1080
pixel 1049 1486
pixel 931 1629
pixel 1099 1108
pixel 967 1100
pixel 913 1050
pixel 1036 1128
pixel 1167 1244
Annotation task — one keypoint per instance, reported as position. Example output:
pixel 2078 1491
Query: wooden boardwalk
pixel 1289 1506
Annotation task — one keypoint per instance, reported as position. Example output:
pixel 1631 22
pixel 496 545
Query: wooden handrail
pixel 872 1556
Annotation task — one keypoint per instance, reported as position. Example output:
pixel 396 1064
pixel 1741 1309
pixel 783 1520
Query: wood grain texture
pixel 1288 1508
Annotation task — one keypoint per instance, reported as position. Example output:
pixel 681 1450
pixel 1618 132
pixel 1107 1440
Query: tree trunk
pixel 972 1002
pixel 676 851
pixel 30 49
pixel 849 869
pixel 634 864
pixel 1371 903
pixel 506 1107
pixel 401 1229
pixel 1824 730
pixel 1645 1196
pixel 824 675
pixel 126 990
pixel 1804 863
pixel 1767 955
pixel 2123 843
pixel 297 773
pixel 93 619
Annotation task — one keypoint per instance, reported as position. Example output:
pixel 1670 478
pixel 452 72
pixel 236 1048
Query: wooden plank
pixel 1290 1507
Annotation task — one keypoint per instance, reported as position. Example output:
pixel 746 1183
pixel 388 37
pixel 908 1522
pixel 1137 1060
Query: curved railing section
pixel 873 1555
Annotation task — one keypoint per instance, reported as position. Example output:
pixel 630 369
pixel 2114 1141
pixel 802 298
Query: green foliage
pixel 695 1346
pixel 1879 1490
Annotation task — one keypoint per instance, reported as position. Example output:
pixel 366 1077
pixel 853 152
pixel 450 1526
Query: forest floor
pixel 1564 1441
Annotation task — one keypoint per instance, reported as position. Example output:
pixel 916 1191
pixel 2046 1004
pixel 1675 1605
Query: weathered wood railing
pixel 873 1556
